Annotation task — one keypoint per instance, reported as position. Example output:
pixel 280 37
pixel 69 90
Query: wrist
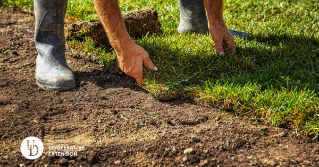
pixel 122 46
pixel 216 22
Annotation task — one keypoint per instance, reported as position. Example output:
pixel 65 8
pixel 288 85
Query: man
pixel 53 73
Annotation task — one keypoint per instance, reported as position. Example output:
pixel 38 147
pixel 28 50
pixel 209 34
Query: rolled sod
pixel 137 23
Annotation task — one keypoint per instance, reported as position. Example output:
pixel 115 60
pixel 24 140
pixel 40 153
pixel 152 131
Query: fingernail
pixel 155 68
pixel 221 53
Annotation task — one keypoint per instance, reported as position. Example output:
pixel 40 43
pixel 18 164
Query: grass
pixel 273 77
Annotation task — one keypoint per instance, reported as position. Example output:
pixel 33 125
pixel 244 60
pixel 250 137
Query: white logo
pixel 31 147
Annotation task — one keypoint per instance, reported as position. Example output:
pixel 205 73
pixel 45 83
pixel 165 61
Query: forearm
pixel 214 11
pixel 111 18
pixel 131 57
pixel 217 27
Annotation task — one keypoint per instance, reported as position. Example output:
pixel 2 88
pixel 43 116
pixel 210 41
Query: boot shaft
pixel 192 16
pixel 49 13
pixel 49 28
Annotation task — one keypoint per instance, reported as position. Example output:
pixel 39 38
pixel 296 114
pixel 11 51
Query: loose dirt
pixel 120 124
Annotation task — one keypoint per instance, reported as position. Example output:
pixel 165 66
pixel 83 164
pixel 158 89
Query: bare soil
pixel 119 123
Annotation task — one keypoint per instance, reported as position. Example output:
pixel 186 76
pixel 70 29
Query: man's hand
pixel 131 60
pixel 131 57
pixel 217 27
pixel 224 40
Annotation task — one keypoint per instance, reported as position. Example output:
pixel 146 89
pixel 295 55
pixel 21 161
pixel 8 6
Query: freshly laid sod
pixel 274 77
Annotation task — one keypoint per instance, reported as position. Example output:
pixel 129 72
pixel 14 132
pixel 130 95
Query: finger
pixel 139 79
pixel 230 45
pixel 219 47
pixel 149 64
pixel 229 49
pixel 136 73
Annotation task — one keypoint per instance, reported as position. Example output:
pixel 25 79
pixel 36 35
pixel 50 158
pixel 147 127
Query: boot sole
pixel 240 34
pixel 55 87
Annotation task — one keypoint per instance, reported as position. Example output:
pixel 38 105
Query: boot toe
pixel 240 34
pixel 56 79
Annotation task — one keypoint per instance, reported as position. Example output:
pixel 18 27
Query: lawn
pixel 271 79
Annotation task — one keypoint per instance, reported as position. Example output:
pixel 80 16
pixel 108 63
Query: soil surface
pixel 119 123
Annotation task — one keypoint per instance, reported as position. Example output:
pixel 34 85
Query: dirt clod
pixel 203 162
pixel 174 150
pixel 63 161
pixel 282 134
pixel 195 139
pixel 117 162
pixel 189 151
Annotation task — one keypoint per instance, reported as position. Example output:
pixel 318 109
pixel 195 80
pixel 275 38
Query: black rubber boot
pixel 193 18
pixel 52 72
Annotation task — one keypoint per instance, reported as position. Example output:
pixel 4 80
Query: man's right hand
pixel 131 60
pixel 131 57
